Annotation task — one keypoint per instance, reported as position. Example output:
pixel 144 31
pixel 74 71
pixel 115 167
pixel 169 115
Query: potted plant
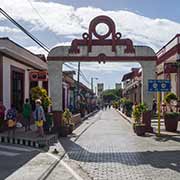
pixel 138 126
pixel 169 99
pixel 170 118
pixel 67 117
pixel 146 117
pixel 128 107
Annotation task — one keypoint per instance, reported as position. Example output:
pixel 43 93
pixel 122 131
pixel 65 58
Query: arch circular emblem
pixel 102 20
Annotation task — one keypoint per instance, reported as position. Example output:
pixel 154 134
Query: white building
pixel 16 64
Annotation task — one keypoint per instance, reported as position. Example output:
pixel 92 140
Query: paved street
pixel 110 150
pixel 13 157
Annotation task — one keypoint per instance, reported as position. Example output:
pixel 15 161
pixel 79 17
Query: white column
pixel 55 82
pixel 40 84
pixel 148 72
pixel 26 88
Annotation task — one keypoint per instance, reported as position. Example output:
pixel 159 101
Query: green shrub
pixel 41 93
pixel 67 117
pixel 172 115
pixel 138 111
pixel 136 114
pixel 170 96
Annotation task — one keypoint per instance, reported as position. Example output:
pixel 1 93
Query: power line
pixel 37 40
pixel 81 73
pixel 42 19
pixel 24 30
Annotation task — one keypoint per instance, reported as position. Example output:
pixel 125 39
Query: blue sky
pixel 150 8
pixel 146 22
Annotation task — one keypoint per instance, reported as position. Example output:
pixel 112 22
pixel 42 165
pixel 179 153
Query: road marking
pixel 70 170
pixel 8 153
pixel 52 155
pixel 66 166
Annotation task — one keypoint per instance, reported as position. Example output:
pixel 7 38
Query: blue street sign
pixel 159 85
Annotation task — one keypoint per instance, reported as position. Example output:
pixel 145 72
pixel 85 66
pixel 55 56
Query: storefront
pixel 16 64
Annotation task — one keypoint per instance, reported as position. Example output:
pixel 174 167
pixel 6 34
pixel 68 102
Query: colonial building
pixel 21 70
pixel 132 85
pixel 167 64
pixel 16 63
pixel 167 67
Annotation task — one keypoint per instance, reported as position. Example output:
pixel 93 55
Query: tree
pixel 111 95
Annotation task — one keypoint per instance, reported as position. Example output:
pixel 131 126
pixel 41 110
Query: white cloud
pixel 37 50
pixel 6 29
pixel 67 21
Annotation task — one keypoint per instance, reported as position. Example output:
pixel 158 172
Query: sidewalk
pixel 43 164
pixel 28 138
pixel 154 123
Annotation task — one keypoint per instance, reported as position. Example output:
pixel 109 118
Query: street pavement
pixel 12 157
pixel 103 147
pixel 109 150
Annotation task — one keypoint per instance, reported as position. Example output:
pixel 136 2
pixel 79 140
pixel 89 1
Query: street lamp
pixel 92 78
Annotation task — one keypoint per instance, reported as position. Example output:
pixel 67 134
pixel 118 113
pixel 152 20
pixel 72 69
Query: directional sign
pixel 159 85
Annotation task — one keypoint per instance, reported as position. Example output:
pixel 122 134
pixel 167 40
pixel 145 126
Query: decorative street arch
pixel 94 47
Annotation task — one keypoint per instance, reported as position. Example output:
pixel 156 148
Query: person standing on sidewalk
pixel 39 117
pixel 2 114
pixel 27 115
pixel 11 118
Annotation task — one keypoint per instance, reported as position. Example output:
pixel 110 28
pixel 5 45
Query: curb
pixel 125 117
pixel 52 167
pixel 89 115
pixel 27 142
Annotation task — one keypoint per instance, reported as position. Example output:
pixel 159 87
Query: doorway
pixel 17 87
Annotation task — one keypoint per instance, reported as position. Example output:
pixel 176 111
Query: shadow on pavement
pixel 164 138
pixel 9 165
pixel 157 159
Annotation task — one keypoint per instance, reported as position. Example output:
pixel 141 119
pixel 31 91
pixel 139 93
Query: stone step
pixel 37 143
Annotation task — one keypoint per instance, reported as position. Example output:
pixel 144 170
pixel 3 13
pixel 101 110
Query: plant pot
pixel 71 128
pixel 146 119
pixel 134 127
pixel 171 122
pixel 140 129
pixel 63 131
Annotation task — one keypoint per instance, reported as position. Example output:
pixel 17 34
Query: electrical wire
pixel 24 30
pixel 39 42
pixel 42 19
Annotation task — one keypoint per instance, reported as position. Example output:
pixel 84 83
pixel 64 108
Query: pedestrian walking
pixel 27 110
pixel 106 106
pixel 2 114
pixel 11 118
pixel 39 117
pixel 154 108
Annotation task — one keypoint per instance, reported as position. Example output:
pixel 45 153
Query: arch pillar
pixel 55 79
pixel 148 72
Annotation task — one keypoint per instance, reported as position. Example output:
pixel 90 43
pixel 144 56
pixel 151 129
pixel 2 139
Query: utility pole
pixel 78 79
pixel 92 78
pixel 78 76
pixel 92 84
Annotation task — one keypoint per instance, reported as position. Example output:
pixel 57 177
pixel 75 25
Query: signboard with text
pixel 160 85
pixel 38 76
